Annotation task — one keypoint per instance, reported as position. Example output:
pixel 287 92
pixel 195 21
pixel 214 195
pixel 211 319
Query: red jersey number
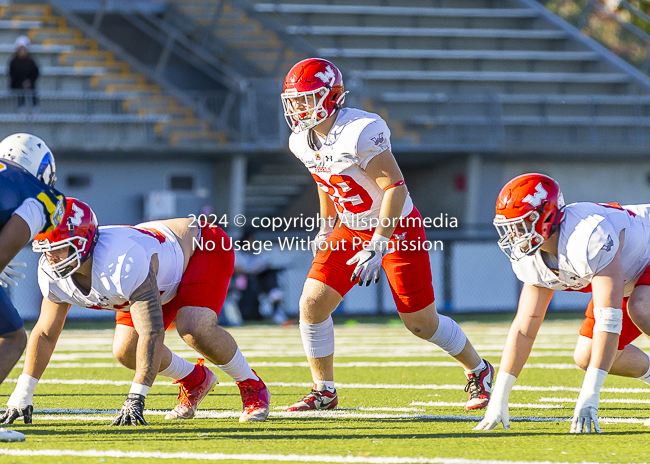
pixel 346 193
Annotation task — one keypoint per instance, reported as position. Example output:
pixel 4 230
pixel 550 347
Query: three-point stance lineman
pixel 28 205
pixel 150 274
pixel 347 151
pixel 588 247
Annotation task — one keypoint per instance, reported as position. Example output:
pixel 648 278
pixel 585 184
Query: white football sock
pixel 178 368
pixel 646 377
pixel 449 336
pixel 321 385
pixel 23 394
pixel 238 368
pixel 318 339
pixel 477 369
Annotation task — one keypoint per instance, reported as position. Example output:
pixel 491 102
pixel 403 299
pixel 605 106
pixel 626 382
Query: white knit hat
pixel 22 41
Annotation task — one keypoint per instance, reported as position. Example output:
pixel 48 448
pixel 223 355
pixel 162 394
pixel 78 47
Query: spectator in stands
pixel 23 71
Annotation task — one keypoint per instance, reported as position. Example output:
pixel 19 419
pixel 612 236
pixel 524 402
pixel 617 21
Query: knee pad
pixel 318 339
pixel 449 336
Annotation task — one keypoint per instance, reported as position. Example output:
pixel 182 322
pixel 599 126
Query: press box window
pixel 78 180
pixel 181 183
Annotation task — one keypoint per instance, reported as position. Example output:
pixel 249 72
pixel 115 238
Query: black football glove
pixel 132 412
pixel 11 414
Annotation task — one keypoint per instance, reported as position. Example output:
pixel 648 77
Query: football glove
pixel 321 237
pixel 11 414
pixel 586 410
pixel 497 409
pixel 369 260
pixel 132 413
pixel 8 274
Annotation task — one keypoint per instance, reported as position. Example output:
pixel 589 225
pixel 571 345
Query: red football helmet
pixel 529 209
pixel 313 91
pixel 77 230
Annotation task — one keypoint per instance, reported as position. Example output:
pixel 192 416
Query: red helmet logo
pixel 77 230
pixel 313 91
pixel 529 210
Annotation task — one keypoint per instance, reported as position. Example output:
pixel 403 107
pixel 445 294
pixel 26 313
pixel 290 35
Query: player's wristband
pixel 23 394
pixel 502 385
pixel 139 389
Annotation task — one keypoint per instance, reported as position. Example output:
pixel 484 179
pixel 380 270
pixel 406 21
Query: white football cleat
pixel 10 435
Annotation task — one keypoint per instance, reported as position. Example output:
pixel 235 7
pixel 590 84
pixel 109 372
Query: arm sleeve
pixel 134 269
pixel 373 140
pixel 33 212
pixel 46 285
pixel 602 247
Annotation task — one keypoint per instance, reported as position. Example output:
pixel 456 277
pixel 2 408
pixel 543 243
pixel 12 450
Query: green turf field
pixel 400 401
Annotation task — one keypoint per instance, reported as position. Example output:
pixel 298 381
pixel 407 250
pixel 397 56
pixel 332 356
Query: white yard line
pixel 512 405
pixel 374 353
pixel 262 457
pixel 562 366
pixel 89 415
pixel 342 385
pixel 606 400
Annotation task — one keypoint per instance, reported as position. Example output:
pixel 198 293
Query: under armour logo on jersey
pixel 538 197
pixel 327 76
pixel 401 236
pixel 608 244
pixel 328 158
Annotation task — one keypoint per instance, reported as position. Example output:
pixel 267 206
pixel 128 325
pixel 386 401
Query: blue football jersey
pixel 16 185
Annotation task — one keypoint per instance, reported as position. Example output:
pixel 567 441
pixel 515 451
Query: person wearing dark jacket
pixel 23 71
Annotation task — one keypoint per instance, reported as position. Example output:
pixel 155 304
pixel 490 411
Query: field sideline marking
pixel 262 457
pixel 342 385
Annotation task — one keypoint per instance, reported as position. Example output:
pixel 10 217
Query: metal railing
pixel 624 30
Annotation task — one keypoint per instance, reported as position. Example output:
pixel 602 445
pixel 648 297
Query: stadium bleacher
pixel 83 89
pixel 415 58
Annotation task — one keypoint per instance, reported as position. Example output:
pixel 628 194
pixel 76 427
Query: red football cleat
pixel 190 396
pixel 316 400
pixel 256 399
pixel 479 387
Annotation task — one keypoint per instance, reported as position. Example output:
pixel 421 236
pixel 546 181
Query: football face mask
pixel 304 110
pixel 517 236
pixel 64 268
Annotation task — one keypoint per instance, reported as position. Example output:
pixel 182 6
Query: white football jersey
pixel 338 165
pixel 120 265
pixel 588 241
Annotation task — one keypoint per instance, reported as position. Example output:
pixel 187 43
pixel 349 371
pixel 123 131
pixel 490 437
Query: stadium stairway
pixel 485 75
pixel 85 90
pixel 224 24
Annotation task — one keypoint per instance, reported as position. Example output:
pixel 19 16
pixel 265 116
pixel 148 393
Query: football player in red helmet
pixel 587 247
pixel 150 274
pixel 348 153
pixel 70 243
pixel 313 91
